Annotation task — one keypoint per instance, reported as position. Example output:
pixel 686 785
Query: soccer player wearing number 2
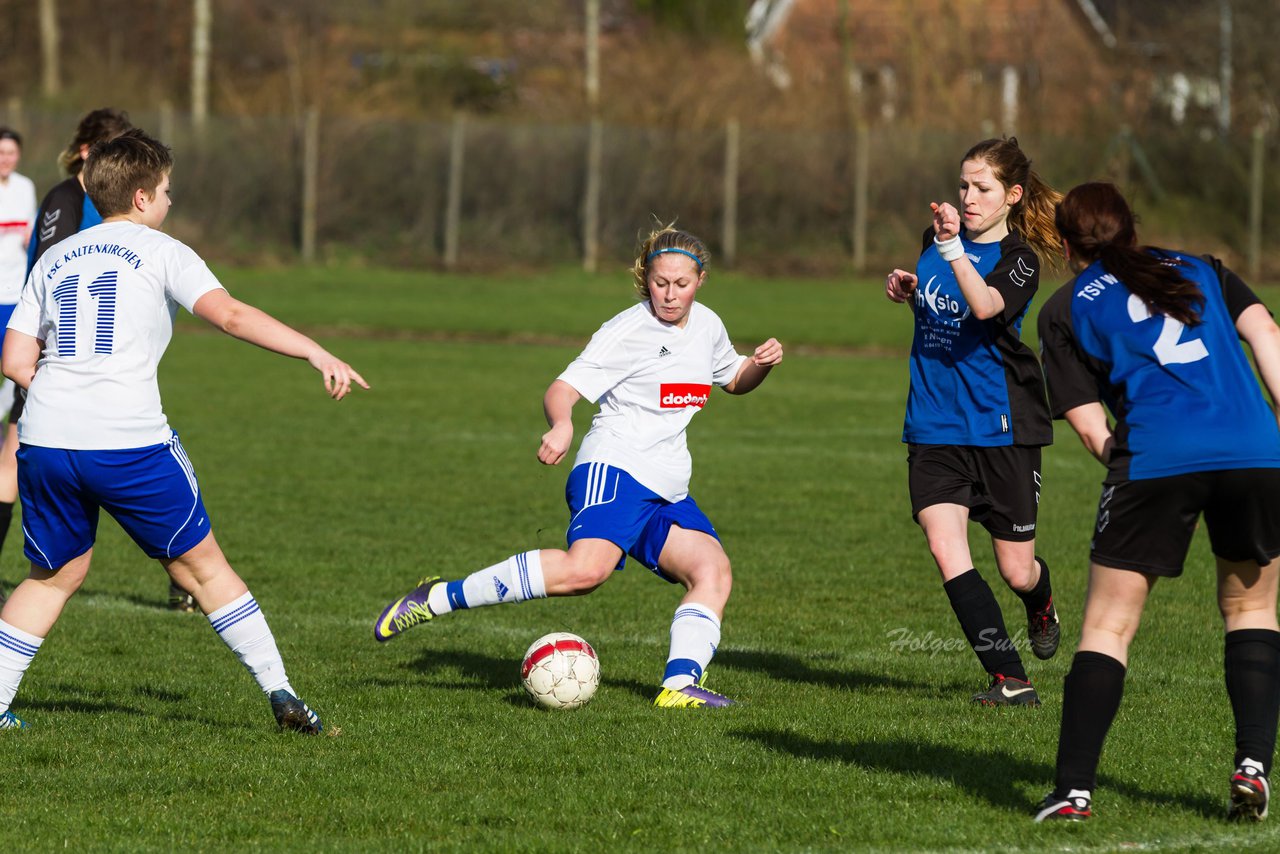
pixel 651 369
pixel 1155 336
pixel 93 321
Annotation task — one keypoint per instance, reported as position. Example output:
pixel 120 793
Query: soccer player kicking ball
pixel 85 341
pixel 651 369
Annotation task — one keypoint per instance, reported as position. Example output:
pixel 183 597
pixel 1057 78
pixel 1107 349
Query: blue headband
pixel 658 252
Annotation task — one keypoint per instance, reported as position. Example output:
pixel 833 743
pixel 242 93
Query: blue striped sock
pixel 244 629
pixel 695 634
pixel 17 648
pixel 516 579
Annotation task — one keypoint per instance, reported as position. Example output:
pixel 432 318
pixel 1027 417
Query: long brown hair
pixel 97 126
pixel 1098 225
pixel 1032 215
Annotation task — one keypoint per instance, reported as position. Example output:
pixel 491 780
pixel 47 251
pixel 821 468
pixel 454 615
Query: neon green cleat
pixel 407 611
pixel 690 697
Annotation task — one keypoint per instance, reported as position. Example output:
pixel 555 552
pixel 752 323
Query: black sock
pixel 1090 699
pixel 6 517
pixel 1251 662
pixel 983 624
pixel 1038 597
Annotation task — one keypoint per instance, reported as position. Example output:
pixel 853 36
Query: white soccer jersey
pixel 17 216
pixel 650 378
pixel 103 302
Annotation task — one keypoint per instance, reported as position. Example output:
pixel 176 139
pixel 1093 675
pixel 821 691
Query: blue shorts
pixel 152 492
pixel 606 503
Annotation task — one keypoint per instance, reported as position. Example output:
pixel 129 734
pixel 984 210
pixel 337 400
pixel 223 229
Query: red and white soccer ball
pixel 560 671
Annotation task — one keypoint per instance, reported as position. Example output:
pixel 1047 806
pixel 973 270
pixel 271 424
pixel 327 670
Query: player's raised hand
pixel 900 285
pixel 767 354
pixel 338 375
pixel 555 443
pixel 946 220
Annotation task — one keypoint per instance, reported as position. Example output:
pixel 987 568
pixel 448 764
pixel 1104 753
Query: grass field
pixel 147 735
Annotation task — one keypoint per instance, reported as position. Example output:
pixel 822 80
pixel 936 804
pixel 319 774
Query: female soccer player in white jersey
pixel 976 413
pixel 17 213
pixel 86 338
pixel 651 369
pixel 1155 336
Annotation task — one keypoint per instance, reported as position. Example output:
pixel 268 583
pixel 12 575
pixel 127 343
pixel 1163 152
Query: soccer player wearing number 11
pixel 1155 336
pixel 93 321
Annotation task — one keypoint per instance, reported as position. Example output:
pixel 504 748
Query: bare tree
pixel 50 39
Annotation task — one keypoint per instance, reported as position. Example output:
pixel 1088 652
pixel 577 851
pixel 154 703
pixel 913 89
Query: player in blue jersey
pixel 1154 336
pixel 976 412
pixel 65 210
pixel 85 340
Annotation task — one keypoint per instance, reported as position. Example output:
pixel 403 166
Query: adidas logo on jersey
pixel 679 395
pixel 664 352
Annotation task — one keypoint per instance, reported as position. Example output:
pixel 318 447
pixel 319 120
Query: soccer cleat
pixel 1076 806
pixel 1005 691
pixel 11 721
pixel 1249 792
pixel 181 600
pixel 690 697
pixel 1043 631
pixel 292 713
pixel 407 611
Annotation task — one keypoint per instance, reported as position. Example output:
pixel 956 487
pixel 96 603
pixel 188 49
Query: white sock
pixel 17 648
pixel 244 629
pixel 516 579
pixel 695 634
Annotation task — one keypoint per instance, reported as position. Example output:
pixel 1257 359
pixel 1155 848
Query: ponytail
pixel 1097 224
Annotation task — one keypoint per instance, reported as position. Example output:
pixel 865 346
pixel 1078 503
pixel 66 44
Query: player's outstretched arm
pixel 247 323
pixel 557 405
pixel 756 367
pixel 21 353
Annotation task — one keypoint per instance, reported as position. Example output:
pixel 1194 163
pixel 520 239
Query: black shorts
pixel 1146 525
pixel 1000 486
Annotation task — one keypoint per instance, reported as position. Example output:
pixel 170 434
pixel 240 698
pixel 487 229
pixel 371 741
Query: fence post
pixel 14 116
pixel 591 202
pixel 453 204
pixel 1255 201
pixel 729 235
pixel 166 128
pixel 310 181
pixel 861 179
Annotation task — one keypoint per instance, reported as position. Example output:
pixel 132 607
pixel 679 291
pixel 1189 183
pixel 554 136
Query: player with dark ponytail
pixel 976 414
pixel 1154 334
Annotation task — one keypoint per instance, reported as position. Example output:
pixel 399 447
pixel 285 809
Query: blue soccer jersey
pixel 973 382
pixel 1185 399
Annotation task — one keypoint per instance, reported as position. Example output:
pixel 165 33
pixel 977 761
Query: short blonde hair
pixel 662 240
pixel 119 167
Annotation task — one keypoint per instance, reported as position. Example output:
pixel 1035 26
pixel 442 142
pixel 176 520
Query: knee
pixel 713 575
pixel 583 576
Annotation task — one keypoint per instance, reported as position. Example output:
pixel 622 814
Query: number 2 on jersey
pixel 1169 348
pixel 67 295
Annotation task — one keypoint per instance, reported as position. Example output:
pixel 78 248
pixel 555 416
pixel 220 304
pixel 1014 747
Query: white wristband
pixel 950 249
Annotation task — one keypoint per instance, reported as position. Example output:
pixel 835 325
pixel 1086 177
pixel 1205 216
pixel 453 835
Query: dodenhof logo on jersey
pixel 942 305
pixel 680 395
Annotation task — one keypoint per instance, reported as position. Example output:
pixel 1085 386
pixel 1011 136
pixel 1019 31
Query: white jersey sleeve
pixel 606 360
